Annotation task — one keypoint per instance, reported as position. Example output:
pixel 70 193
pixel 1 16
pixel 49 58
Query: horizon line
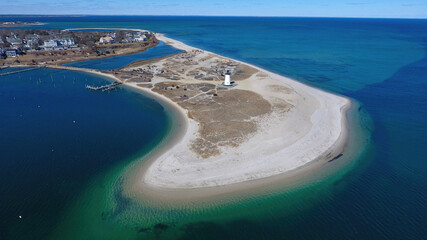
pixel 167 15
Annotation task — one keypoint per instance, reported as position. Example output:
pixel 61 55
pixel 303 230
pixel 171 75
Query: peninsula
pixel 264 125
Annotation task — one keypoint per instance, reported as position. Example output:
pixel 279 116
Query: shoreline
pixel 180 195
pixel 295 84
pixel 61 63
pixel 81 59
pixel 142 190
pixel 23 25
pixel 225 193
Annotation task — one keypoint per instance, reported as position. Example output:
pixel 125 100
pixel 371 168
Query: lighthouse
pixel 227 79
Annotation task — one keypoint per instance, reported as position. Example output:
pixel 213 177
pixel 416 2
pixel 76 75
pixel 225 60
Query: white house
pixel 106 40
pixel 11 53
pixel 50 44
pixel 140 38
pixel 67 42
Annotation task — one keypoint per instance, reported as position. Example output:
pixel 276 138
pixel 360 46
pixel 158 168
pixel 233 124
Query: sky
pixel 294 8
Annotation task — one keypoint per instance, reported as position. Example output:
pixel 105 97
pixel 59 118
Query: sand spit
pixel 265 126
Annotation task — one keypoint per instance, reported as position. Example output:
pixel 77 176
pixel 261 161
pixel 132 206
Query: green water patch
pixel 104 212
pixel 56 136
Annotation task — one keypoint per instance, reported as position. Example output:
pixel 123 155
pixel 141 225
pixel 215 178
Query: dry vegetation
pixel 193 65
pixel 226 117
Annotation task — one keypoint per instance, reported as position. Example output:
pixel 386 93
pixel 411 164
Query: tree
pixel 120 35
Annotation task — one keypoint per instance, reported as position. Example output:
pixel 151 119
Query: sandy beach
pixel 305 126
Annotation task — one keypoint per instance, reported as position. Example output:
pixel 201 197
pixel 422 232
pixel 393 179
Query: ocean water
pixel 380 63
pixel 56 136
pixel 112 63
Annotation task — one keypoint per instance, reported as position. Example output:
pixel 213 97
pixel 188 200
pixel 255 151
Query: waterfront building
pixel 14 41
pixel 140 38
pixel 106 40
pixel 11 53
pixel 50 44
pixel 67 42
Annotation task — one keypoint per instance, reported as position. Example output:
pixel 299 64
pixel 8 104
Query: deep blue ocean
pixel 56 136
pixel 380 63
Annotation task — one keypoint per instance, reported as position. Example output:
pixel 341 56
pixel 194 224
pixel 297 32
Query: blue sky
pixel 300 8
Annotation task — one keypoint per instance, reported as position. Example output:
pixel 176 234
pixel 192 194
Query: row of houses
pixel 28 41
pixel 55 44
pixel 111 38
pixel 14 49
pixel 59 44
pixel 32 41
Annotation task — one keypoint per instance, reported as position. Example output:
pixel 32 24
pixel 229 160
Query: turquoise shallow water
pixel 380 63
pixel 56 136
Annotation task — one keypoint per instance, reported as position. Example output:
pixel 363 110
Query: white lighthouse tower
pixel 227 79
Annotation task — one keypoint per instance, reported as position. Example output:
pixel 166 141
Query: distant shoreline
pixel 22 24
